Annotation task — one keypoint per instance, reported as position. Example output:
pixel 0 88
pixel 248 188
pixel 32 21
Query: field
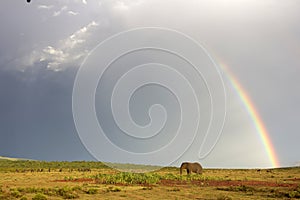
pixel 38 180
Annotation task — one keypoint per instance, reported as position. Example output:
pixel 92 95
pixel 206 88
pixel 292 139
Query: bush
pixel 128 178
pixel 39 196
pixel 224 197
pixel 15 193
pixel 113 189
pixel 92 191
pixel 170 176
pixel 67 193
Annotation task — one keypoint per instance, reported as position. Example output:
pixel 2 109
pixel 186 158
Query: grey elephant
pixel 191 167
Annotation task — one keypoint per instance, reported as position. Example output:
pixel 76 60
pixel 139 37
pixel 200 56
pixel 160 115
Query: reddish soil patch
pixel 79 180
pixel 227 183
pixel 293 179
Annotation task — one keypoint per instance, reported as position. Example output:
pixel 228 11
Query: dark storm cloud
pixel 36 117
pixel 43 43
pixel 36 111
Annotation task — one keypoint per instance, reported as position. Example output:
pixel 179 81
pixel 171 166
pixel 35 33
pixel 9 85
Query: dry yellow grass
pixel 213 184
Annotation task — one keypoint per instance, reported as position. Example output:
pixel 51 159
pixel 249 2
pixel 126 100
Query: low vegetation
pixel 39 180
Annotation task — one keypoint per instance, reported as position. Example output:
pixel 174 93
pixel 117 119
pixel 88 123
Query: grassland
pixel 37 180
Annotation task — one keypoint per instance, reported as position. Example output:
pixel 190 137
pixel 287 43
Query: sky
pixel 150 82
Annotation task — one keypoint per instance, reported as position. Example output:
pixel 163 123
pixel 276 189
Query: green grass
pixel 128 178
pixel 27 165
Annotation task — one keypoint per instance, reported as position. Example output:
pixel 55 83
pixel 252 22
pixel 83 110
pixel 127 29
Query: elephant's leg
pixel 188 171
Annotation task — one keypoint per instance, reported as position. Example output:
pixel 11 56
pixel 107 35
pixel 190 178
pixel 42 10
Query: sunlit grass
pixel 92 180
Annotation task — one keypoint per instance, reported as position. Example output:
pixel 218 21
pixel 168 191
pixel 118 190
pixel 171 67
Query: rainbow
pixel 257 121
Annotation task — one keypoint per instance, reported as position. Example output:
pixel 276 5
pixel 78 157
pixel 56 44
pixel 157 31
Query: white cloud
pixel 72 12
pixel 50 50
pixel 57 13
pixel 67 51
pixel 125 5
pixel 47 7
pixel 84 2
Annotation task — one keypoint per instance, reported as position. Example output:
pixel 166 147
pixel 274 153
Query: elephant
pixel 191 167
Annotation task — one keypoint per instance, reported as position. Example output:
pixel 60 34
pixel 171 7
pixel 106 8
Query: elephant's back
pixel 198 164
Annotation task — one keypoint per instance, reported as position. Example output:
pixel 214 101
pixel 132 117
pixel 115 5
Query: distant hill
pixel 12 159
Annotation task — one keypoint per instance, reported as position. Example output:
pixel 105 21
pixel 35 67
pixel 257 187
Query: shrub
pixel 67 193
pixel 223 197
pixel 39 196
pixel 170 176
pixel 15 193
pixel 92 191
pixel 242 188
pixel 128 178
pixel 113 189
